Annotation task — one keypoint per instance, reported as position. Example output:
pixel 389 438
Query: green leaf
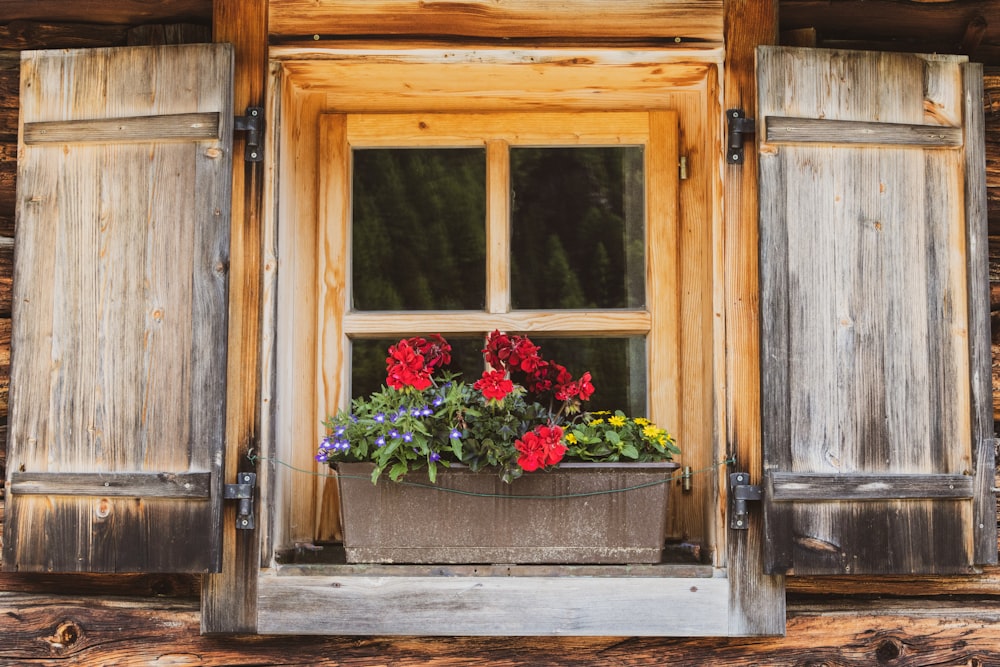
pixel 397 471
pixel 629 451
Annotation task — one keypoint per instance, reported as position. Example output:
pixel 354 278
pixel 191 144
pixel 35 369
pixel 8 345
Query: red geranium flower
pixel 495 385
pixel 405 367
pixel 540 447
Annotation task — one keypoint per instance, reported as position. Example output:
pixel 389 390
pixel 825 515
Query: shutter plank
pixel 868 390
pixel 118 366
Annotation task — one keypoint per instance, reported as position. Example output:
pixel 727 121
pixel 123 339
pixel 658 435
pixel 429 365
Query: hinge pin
pixel 253 124
pixel 738 125
pixel 740 492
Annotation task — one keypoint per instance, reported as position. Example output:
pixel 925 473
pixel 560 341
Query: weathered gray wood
pixel 790 486
pixel 136 485
pixel 495 606
pixel 172 127
pixel 980 348
pixel 119 324
pixel 781 129
pixel 865 311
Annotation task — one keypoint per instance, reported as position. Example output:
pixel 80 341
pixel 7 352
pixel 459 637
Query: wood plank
pixel 173 127
pixel 684 21
pixel 782 129
pixel 991 109
pixel 812 487
pixel 112 484
pixel 592 323
pixel 495 606
pixel 757 601
pixel 601 128
pixel 228 598
pixel 498 298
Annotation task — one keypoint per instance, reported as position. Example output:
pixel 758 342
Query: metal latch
pixel 740 491
pixel 253 125
pixel 738 126
pixel 243 492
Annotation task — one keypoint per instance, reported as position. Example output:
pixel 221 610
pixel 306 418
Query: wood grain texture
pixel 682 20
pixel 126 12
pixel 144 129
pixel 844 393
pixel 228 598
pixel 991 108
pixel 70 630
pixel 757 601
pixel 45 34
pixel 137 485
pixel 820 130
pixel 121 316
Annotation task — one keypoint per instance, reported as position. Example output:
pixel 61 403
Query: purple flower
pixel 321 458
pixel 426 411
pixel 407 437
pixel 380 418
pixel 380 441
pixel 393 433
pixel 434 456
pixel 438 400
pixel 455 434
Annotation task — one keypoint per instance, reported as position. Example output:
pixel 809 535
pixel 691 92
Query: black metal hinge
pixel 738 126
pixel 741 491
pixel 243 492
pixel 253 125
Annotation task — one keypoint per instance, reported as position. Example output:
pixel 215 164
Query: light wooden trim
pixel 685 22
pixel 493 606
pixel 784 130
pixel 789 486
pixel 174 127
pixel 662 270
pixel 497 227
pixel 127 484
pixel 515 129
pixel 588 322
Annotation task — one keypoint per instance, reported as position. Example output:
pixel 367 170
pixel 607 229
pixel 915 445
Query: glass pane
pixel 368 361
pixel 577 227
pixel 418 234
pixel 617 367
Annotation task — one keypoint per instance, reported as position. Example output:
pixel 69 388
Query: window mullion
pixel 497 227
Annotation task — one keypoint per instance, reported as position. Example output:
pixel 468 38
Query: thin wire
pixel 444 489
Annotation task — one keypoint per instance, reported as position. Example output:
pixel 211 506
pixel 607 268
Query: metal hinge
pixel 738 127
pixel 243 492
pixel 740 491
pixel 253 125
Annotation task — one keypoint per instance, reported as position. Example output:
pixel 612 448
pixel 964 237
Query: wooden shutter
pixel 119 323
pixel 877 419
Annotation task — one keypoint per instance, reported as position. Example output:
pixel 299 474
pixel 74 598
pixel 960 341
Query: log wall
pixel 144 619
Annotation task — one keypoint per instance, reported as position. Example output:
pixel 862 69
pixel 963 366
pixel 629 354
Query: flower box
pixel 574 513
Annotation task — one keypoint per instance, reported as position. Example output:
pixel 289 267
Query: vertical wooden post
pixel 228 602
pixel 757 602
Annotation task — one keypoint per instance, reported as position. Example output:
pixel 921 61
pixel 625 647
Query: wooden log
pixel 171 33
pixel 21 35
pixel 69 630
pixel 80 584
pixel 121 12
pixel 8 187
pixel 679 21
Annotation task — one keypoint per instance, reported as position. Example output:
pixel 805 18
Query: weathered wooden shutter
pixel 119 318
pixel 877 413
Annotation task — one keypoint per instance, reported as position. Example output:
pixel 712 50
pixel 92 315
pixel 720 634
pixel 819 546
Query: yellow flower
pixel 570 438
pixel 641 421
pixel 595 422
pixel 651 431
pixel 617 420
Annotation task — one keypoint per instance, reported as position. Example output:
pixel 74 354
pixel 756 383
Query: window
pixel 495 121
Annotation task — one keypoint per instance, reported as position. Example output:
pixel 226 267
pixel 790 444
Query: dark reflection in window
pixel 368 361
pixel 577 227
pixel 418 232
pixel 617 367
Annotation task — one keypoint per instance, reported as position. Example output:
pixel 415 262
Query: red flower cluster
pixel 412 361
pixel 540 447
pixel 519 357
pixel 494 385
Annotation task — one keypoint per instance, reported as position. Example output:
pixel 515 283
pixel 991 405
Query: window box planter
pixel 576 513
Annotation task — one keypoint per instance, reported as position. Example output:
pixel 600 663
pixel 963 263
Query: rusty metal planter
pixel 616 513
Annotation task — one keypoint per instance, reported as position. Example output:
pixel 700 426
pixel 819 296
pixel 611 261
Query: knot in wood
pixel 888 650
pixel 65 635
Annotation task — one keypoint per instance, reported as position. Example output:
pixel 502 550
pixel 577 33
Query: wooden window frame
pixel 306 84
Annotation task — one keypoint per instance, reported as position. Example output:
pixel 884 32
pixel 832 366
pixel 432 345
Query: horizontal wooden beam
pixel 815 487
pixel 173 127
pixel 576 322
pixel 782 130
pixel 494 606
pixel 120 484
